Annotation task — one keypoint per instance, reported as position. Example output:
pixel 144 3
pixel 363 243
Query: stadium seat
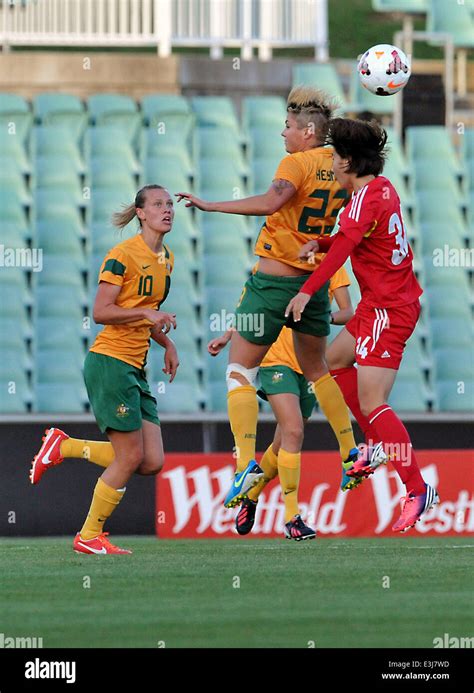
pixel 444 303
pixel 186 373
pixel 179 398
pixel 221 239
pixel 169 172
pixel 454 279
pixel 263 110
pixel 323 76
pixel 215 111
pixel 52 140
pixel 405 6
pixel 116 111
pixel 105 142
pixel 220 144
pixel 219 271
pixel 14 364
pixel 54 171
pixel 63 110
pixel 432 175
pixel 14 399
pixel 12 181
pixel 221 298
pixel 436 234
pixel 454 363
pixel 431 207
pixel 54 239
pixel 65 397
pixel 156 104
pixel 455 396
pixel 266 142
pixel 406 396
pixel 104 202
pixel 217 392
pixel 432 142
pixel 59 333
pixel 15 116
pixel 451 332
pixel 62 270
pixel 68 302
pixel 459 23
pixel 167 146
pixel 263 172
pixel 104 174
pixel 12 149
pixel 60 365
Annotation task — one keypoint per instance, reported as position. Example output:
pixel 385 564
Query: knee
pixel 151 465
pixel 292 436
pixel 367 403
pixel 133 459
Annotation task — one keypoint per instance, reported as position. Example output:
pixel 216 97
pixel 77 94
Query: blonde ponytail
pixel 121 219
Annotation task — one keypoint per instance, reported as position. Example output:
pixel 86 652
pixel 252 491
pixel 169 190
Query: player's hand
pixel 296 306
pixel 217 344
pixel 193 201
pixel 308 250
pixel 171 361
pixel 160 319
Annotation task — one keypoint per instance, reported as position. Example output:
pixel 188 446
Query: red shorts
pixel 382 333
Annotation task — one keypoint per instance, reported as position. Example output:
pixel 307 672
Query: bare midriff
pixel 267 265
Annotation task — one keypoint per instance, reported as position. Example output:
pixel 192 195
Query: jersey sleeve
pixel 340 278
pixel 360 217
pixel 113 267
pixel 290 169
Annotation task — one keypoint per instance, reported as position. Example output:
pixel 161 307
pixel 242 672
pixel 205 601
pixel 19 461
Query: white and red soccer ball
pixel 384 69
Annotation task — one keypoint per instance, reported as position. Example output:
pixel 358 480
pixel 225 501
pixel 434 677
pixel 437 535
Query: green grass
pixel 181 592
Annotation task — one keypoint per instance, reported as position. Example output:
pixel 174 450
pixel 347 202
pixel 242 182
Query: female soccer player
pixel 292 401
pixel 372 233
pixel 302 203
pixel 133 281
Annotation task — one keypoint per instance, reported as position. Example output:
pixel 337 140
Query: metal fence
pixel 166 24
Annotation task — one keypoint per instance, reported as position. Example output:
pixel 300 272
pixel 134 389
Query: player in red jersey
pixel 372 233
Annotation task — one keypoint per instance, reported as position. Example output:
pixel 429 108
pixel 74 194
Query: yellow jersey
pixel 282 352
pixel 310 213
pixel 144 278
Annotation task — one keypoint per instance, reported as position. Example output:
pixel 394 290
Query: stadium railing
pixel 166 24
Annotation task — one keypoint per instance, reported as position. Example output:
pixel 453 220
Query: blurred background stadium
pixel 99 98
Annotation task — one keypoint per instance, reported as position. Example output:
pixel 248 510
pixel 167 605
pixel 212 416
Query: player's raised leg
pixel 310 352
pixel 244 360
pixel 109 491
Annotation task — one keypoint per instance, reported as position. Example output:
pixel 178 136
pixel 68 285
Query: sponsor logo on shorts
pixel 386 355
pixel 277 377
pixel 123 411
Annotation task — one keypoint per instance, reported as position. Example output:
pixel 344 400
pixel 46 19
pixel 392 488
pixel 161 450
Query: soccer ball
pixel 384 69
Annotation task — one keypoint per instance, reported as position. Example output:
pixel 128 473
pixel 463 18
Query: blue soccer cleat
pixel 242 483
pixel 347 482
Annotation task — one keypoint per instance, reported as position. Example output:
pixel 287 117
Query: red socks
pixel 346 378
pixel 398 447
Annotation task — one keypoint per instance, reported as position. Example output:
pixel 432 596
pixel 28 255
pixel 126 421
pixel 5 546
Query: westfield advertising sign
pixel 191 489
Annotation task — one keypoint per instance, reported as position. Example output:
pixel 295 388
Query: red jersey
pixel 382 260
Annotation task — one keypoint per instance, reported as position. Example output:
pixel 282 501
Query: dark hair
pixel 361 142
pixel 121 219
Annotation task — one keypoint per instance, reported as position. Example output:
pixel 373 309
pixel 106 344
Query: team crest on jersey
pixel 277 377
pixel 123 411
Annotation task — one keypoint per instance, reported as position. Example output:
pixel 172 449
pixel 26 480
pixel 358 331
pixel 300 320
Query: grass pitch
pixel 400 592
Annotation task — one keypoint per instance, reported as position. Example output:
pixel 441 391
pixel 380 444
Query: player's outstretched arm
pixel 266 204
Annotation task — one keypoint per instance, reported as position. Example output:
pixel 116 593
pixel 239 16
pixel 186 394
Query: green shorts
pixel 119 393
pixel 260 313
pixel 276 380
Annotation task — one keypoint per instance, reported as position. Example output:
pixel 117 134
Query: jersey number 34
pixel 396 225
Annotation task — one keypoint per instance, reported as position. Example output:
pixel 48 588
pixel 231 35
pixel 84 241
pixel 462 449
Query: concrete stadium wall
pixel 59 504
pixel 87 72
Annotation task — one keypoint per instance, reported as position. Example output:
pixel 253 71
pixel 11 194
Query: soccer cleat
pixel 242 483
pixel 49 454
pixel 414 507
pixel 347 482
pixel 297 530
pixel 98 545
pixel 370 457
pixel 246 516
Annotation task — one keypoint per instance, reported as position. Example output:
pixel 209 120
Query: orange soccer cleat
pixel 49 454
pixel 98 545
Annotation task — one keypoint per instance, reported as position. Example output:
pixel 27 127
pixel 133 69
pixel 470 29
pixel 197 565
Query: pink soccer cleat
pixel 414 507
pixel 98 545
pixel 49 454
pixel 370 457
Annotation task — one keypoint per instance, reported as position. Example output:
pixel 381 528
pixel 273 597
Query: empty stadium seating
pixel 75 163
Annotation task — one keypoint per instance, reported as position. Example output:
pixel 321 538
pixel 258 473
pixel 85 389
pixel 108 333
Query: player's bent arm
pixel 343 300
pixel 266 204
pixel 107 312
pixel 340 249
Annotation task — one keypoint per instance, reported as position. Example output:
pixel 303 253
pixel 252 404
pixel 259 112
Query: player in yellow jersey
pixel 134 280
pixel 301 204
pixel 290 395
